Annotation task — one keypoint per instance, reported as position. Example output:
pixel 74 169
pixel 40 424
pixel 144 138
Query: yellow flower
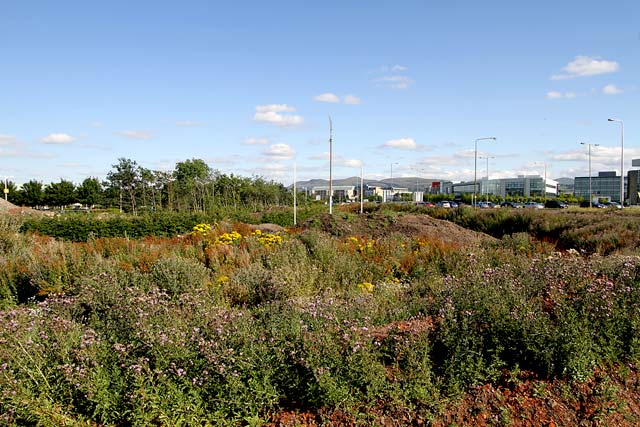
pixel 222 279
pixel 201 230
pixel 366 287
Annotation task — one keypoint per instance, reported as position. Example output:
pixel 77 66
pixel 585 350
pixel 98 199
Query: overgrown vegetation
pixel 227 325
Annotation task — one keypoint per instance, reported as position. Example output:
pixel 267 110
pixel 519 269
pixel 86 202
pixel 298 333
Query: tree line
pixel 192 186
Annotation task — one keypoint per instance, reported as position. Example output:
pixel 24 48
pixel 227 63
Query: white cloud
pixel 397 68
pixel 188 123
pixel 136 134
pixel 583 66
pixel 321 156
pixel 279 152
pixel 611 90
pixel 276 108
pixel 6 139
pixel 58 138
pixel 560 95
pixel 352 163
pixel 402 144
pixel 255 141
pixel 327 97
pixel 395 82
pixel 273 114
pixel 351 100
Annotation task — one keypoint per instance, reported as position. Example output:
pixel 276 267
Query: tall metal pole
pixel 544 186
pixel 486 192
pixel 361 189
pixel 590 189
pixel 391 179
pixel 475 167
pixel 621 160
pixel 330 167
pixel 295 192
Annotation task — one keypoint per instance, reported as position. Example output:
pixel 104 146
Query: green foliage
pixel 187 331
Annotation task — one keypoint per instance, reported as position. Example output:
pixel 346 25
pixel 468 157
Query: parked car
pixel 485 205
pixel 585 204
pixel 555 204
pixel 444 204
pixel 453 204
pixel 514 205
pixel 614 205
pixel 534 205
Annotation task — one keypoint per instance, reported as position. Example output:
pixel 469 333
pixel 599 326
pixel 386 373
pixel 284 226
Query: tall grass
pixel 214 330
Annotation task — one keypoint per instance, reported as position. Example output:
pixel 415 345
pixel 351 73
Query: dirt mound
pixel 8 207
pixel 378 224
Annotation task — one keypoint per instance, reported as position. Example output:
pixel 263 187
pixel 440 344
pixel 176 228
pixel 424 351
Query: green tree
pixel 90 192
pixel 60 193
pixel 124 180
pixel 31 193
pixel 192 177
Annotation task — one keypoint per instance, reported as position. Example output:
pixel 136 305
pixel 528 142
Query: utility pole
pixel 295 191
pixel 330 167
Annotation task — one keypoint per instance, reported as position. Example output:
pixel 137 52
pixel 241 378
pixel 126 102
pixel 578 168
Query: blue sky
pixel 248 86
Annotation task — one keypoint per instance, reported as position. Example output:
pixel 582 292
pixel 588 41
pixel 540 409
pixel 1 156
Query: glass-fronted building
pixel 521 186
pixel 604 186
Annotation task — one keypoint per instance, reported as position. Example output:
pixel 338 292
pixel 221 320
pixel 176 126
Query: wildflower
pixel 201 230
pixel 366 287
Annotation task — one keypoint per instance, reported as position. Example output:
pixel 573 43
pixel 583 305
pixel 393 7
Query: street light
pixel 295 192
pixel 475 166
pixel 361 188
pixel 6 188
pixel 621 160
pixel 590 190
pixel 330 167
pixel 391 179
pixel 487 189
pixel 544 183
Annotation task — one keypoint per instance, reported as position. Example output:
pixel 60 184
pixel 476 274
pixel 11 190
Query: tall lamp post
pixel 361 188
pixel 621 160
pixel 590 190
pixel 295 193
pixel 475 166
pixel 6 188
pixel 544 180
pixel 487 189
pixel 391 179
pixel 330 167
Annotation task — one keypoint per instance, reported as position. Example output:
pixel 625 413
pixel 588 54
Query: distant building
pixel 604 186
pixel 341 193
pixel 521 186
pixel 565 186
pixel 633 183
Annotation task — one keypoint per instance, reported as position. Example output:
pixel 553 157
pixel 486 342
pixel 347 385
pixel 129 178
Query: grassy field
pixel 363 316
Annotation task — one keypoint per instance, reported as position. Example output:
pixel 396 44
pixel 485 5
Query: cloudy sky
pixel 248 86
